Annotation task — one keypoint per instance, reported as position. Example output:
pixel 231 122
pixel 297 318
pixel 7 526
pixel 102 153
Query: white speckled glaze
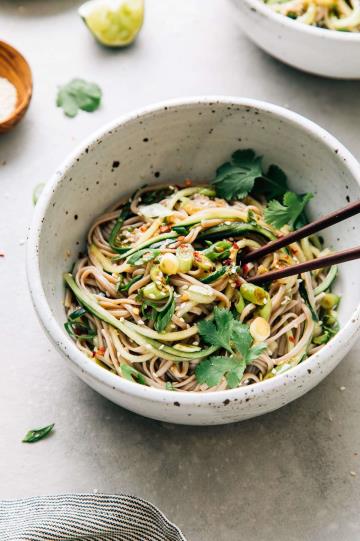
pixel 320 51
pixel 169 142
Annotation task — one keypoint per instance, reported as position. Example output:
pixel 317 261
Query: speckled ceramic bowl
pixel 190 138
pixel 320 51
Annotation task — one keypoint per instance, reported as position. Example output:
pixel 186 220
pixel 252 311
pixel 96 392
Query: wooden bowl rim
pixel 24 102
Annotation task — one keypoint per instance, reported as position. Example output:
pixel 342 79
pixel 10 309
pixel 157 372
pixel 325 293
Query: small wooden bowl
pixel 15 68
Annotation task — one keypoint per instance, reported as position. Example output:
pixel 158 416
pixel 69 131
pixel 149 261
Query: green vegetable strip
pixel 234 230
pixel 214 276
pixel 326 283
pixel 146 244
pixel 124 214
pixel 127 328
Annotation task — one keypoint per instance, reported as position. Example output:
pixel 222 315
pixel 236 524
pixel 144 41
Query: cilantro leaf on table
pixel 78 94
pixel 226 332
pixel 290 212
pixel 218 331
pixel 272 185
pixel 235 179
pixel 37 434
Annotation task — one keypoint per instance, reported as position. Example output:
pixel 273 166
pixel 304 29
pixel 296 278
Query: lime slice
pixel 114 23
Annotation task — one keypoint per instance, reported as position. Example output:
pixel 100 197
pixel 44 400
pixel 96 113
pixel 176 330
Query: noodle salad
pixel 341 15
pixel 161 297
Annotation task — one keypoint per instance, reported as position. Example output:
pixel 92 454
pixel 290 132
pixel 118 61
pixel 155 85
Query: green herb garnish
pixel 290 212
pixel 236 179
pixel 142 256
pixel 130 373
pixel 78 328
pixel 125 213
pixel 272 185
pixel 37 434
pixel 164 316
pixel 226 332
pixel 78 94
pixel 218 251
pixel 125 287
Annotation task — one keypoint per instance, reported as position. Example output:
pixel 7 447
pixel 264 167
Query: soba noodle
pixel 342 15
pixel 155 267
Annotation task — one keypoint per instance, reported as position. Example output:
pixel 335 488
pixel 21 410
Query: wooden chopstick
pixel 310 229
pixel 319 263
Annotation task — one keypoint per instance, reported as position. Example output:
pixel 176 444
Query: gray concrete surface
pixel 285 476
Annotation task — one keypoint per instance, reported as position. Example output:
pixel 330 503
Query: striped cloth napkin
pixel 84 517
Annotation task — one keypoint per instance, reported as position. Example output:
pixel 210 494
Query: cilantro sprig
pixel 244 174
pixel 272 184
pixel 290 212
pixel 78 94
pixel 227 333
pixel 235 179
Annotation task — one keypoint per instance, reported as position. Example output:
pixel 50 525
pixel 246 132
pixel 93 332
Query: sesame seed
pixel 122 318
pixel 353 473
pixel 342 388
pixel 140 322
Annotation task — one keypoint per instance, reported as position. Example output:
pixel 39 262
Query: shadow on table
pixel 287 471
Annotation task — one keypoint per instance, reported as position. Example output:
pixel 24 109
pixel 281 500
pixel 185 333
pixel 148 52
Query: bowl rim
pixel 112 381
pixel 258 5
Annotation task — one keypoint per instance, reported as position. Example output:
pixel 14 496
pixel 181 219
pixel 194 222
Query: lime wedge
pixel 114 23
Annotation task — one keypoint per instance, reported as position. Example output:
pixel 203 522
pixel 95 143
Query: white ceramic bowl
pixel 316 50
pixel 170 142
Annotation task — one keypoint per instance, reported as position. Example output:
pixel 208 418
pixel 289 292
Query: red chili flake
pixel 100 351
pixel 197 256
pixel 188 182
pixel 235 246
pixel 245 268
pixel 228 262
pixel 237 280
pixel 181 239
pixel 292 339
pixel 294 251
pixel 164 228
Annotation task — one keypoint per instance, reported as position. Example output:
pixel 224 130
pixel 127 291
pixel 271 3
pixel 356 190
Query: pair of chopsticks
pixel 314 227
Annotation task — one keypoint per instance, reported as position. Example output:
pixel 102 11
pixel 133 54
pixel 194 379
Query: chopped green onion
pixel 254 294
pixel 185 255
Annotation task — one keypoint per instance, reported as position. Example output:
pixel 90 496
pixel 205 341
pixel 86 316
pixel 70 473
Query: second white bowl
pixel 329 53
